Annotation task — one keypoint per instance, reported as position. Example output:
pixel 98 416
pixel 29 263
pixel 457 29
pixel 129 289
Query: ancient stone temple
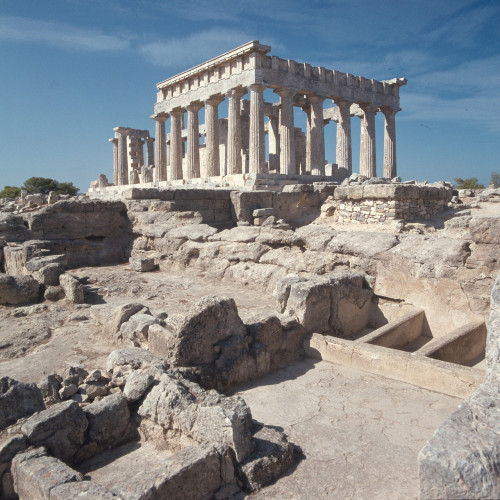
pixel 236 148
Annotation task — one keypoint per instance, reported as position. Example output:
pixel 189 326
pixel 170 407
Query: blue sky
pixel 71 70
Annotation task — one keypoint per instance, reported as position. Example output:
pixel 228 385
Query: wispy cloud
pixel 22 29
pixel 193 49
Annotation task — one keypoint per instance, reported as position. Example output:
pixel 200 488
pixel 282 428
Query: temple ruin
pixel 235 146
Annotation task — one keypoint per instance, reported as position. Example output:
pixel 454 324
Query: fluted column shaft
pixel 193 142
pixel 287 133
pixel 176 145
pixel 160 171
pixel 212 136
pixel 315 160
pixel 368 161
pixel 114 141
pixel 344 148
pixel 150 151
pixel 257 146
pixel 390 168
pixel 274 145
pixel 234 131
pixel 122 155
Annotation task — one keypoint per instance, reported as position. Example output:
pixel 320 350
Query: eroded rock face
pixel 18 400
pixel 17 290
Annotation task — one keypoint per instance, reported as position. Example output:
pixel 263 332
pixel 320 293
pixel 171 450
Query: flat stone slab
pixel 360 433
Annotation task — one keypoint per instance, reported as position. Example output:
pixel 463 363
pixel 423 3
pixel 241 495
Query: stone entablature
pixel 385 202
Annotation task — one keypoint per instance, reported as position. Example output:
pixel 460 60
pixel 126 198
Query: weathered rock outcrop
pixel 16 290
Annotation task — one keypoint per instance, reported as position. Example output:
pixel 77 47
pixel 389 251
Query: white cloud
pixel 22 29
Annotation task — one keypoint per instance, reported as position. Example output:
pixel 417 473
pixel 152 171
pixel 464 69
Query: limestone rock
pixel 123 313
pixel 53 293
pixel 136 330
pixel 461 460
pixel 38 263
pixel 36 474
pixel 142 264
pixel 18 400
pixel 72 288
pixel 16 290
pixel 60 429
pixel 49 274
pixel 137 384
pixel 49 387
pixel 122 361
pixel 74 375
pixel 272 457
pixel 108 421
pixel 9 447
pixel 83 490
pixel 194 339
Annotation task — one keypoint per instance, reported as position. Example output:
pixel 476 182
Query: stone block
pixel 83 490
pixel 49 274
pixel 60 429
pixel 72 288
pixel 142 264
pixel 36 474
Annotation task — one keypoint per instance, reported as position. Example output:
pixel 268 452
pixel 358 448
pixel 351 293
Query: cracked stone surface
pixel 360 433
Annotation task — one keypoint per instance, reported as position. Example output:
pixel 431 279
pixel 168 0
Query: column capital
pixel 194 106
pixel 369 108
pixel 342 103
pixel 150 139
pixel 214 100
pixel 177 112
pixel 159 118
pixel 285 92
pixel 257 87
pixel 389 111
pixel 114 140
pixel 315 98
pixel 122 130
pixel 237 93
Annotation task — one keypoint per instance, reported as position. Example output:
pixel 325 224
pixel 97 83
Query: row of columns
pixel 315 145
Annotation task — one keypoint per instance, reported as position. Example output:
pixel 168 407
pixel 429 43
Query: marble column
pixel 344 148
pixel 287 133
pixel 193 141
pixel 390 169
pixel 150 151
pixel 160 172
pixel 368 160
pixel 234 131
pixel 121 132
pixel 315 160
pixel 176 144
pixel 212 136
pixel 114 141
pixel 257 145
pixel 274 145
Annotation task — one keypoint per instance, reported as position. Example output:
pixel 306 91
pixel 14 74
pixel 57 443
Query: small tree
pixel 495 179
pixel 66 188
pixel 10 192
pixel 470 183
pixel 41 185
pixel 44 185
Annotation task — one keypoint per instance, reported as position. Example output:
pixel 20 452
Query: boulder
pixel 16 290
pixel 49 387
pixel 195 339
pixel 39 262
pixel 53 293
pixel 18 400
pixel 9 448
pixel 135 332
pixel 123 313
pixel 61 429
pixel 72 288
